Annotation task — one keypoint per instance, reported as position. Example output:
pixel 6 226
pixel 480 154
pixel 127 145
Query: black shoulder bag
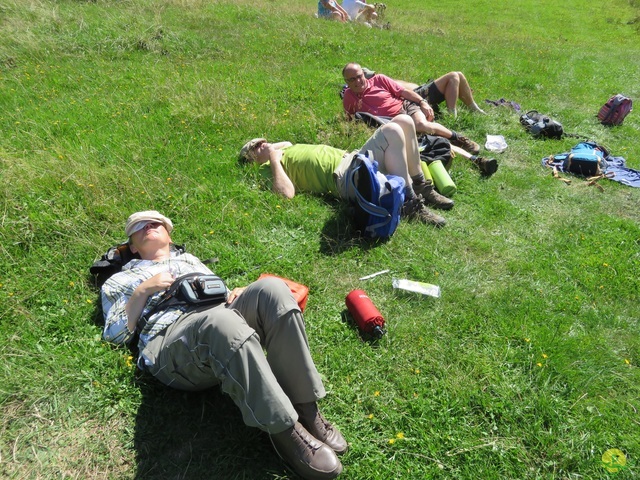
pixel 193 289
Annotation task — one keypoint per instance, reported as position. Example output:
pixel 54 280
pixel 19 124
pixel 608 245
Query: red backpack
pixel 614 111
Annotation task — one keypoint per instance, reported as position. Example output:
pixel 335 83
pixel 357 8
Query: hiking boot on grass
pixel 414 209
pixel 466 144
pixel 487 166
pixel 306 455
pixel 431 197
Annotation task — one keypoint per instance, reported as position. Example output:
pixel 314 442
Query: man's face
pixel 152 236
pixel 354 77
pixel 260 152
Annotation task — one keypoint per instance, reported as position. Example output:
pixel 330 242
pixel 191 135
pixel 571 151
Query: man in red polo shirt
pixel 383 96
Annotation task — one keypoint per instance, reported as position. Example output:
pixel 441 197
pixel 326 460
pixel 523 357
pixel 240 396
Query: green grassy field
pixel 526 367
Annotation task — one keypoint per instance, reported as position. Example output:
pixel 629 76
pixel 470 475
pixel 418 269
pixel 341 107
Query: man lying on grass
pixel 382 96
pixel 448 88
pixel 321 169
pixel 192 347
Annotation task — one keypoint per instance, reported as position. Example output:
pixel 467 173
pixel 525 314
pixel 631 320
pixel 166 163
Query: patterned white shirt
pixel 117 290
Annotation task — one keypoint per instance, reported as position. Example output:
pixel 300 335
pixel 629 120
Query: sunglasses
pixel 251 154
pixel 258 145
pixel 353 79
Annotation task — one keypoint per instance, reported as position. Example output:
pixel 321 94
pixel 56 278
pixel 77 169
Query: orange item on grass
pixel 300 292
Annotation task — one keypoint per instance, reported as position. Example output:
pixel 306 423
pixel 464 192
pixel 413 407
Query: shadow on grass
pixel 198 435
pixel 340 234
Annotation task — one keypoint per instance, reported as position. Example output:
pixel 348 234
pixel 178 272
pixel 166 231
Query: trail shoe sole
pixel 487 166
pixel 415 210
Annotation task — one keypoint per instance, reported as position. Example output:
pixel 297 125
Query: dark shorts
pixel 410 108
pixel 433 95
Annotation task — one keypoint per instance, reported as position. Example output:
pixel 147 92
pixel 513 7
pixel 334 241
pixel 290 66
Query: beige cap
pixel 244 151
pixel 138 220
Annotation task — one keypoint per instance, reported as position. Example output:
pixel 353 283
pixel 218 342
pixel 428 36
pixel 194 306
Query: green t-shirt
pixel 310 167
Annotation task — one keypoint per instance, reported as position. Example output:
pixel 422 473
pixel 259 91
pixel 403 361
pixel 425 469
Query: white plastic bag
pixel 495 143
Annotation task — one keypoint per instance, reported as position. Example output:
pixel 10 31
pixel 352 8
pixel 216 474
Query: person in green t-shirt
pixel 321 169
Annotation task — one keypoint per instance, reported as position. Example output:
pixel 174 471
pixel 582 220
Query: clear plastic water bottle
pixel 418 287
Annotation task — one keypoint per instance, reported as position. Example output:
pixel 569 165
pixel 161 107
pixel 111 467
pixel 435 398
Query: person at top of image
pixel 331 10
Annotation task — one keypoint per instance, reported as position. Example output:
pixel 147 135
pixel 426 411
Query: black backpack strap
pixel 112 261
pixel 578 136
pixel 374 121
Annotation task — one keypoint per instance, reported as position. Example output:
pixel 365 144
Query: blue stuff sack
pixel 378 197
pixel 586 158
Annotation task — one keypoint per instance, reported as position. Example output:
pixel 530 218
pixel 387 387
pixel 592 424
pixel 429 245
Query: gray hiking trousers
pixel 224 345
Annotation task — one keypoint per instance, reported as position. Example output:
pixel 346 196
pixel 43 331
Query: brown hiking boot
pixel 431 197
pixel 305 454
pixel 414 209
pixel 466 144
pixel 487 166
pixel 318 426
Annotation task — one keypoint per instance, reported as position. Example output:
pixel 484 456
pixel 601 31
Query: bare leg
pixel 454 85
pixel 461 152
pixel 367 14
pixel 407 85
pixel 412 153
pixel 395 156
pixel 432 128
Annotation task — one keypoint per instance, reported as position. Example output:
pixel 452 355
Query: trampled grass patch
pixel 526 367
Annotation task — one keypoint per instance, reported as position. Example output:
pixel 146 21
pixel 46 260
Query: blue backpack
pixel 378 197
pixel 586 158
